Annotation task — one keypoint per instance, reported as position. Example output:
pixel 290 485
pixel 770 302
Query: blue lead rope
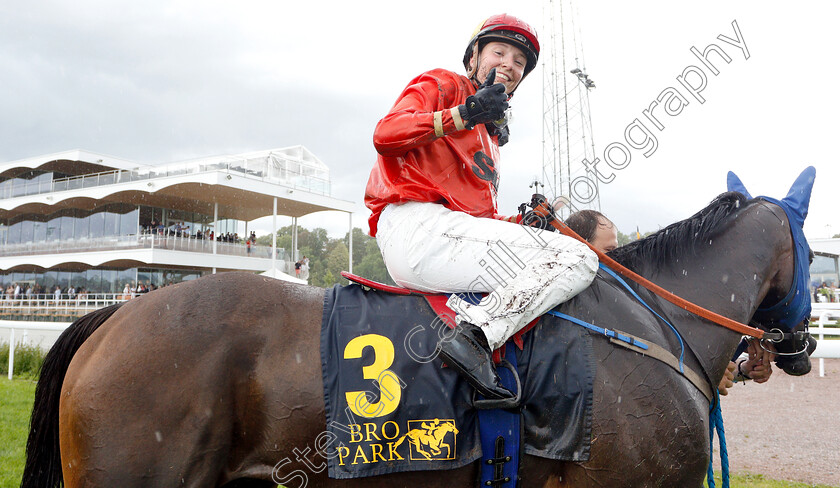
pixel 637 297
pixel 716 423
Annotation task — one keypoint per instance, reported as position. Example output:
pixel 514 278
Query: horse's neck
pixel 730 276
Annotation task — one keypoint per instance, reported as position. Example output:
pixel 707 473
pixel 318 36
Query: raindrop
pixel 619 398
pixel 158 436
pixel 733 298
pixel 297 357
pixel 724 278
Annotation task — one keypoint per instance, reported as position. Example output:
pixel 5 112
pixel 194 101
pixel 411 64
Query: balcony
pixel 296 174
pixel 151 241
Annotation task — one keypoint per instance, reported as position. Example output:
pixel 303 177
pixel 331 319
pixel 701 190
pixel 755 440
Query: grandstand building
pixel 94 225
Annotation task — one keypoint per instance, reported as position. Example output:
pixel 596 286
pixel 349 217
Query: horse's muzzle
pixel 798 364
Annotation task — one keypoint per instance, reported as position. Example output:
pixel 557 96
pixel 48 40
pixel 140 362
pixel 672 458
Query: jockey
pixel 432 194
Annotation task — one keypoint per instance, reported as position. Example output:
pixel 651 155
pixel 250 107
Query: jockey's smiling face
pixel 508 60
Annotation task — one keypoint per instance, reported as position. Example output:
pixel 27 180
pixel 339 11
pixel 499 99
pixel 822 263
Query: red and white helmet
pixel 509 29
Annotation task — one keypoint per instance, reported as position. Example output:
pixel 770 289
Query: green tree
pixel 371 265
pixel 623 238
pixel 328 256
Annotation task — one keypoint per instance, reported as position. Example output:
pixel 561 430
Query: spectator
pixel 595 228
pixel 304 268
pixel 297 269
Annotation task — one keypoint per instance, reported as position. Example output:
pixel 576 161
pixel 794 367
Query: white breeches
pixel 525 271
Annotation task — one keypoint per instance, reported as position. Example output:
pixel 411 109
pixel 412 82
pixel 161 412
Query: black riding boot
pixel 467 353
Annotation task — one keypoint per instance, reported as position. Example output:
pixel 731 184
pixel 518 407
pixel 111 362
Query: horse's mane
pixel 679 239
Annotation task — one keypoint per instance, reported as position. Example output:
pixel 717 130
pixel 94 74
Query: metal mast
pixel 567 124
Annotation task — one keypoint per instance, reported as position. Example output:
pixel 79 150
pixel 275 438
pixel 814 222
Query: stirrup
pixel 505 403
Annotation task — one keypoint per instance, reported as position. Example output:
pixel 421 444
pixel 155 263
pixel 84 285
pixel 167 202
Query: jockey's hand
pixel 757 367
pixel 536 219
pixel 728 379
pixel 488 104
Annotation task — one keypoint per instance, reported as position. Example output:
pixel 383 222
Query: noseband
pixel 799 338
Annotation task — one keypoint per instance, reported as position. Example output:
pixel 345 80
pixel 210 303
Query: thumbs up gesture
pixel 488 104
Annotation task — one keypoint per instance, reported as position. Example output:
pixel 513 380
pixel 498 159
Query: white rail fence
pixel 15 325
pixel 826 316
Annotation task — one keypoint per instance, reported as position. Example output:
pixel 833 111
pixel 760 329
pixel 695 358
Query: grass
pixel 16 399
pixel 747 480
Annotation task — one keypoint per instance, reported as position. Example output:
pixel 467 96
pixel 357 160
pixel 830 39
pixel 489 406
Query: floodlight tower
pixel 567 124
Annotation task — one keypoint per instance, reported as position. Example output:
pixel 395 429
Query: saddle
pixel 393 409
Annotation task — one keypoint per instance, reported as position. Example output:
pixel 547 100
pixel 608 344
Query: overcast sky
pixel 159 82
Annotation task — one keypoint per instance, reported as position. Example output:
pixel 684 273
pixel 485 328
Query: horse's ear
pixel 733 183
pixel 799 196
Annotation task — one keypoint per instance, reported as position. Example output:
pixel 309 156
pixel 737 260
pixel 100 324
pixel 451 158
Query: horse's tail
pixel 43 460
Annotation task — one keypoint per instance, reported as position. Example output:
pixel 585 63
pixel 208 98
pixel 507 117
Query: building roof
pixel 825 246
pixel 243 185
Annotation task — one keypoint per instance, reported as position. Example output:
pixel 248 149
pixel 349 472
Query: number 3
pixel 389 382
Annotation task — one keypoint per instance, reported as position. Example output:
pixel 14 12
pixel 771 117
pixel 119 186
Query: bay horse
pixel 217 381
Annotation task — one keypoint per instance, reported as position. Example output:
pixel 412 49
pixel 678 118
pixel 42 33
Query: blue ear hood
pixel 733 183
pixel 797 200
pixel 796 306
pixel 799 196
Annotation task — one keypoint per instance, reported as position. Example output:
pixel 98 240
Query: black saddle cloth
pixel 393 408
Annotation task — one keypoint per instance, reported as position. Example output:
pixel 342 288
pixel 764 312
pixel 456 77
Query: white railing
pixel 825 314
pixel 296 174
pixel 10 324
pixel 49 305
pixel 150 240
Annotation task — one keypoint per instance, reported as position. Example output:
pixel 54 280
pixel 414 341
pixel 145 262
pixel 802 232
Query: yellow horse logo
pixel 431 434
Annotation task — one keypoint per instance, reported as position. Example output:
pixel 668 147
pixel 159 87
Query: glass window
pixel 14 234
pixel 93 280
pixel 97 225
pixel 128 223
pixel 110 278
pixel 112 223
pixel 66 228
pixel 127 276
pixel 50 279
pixel 53 229
pixel 64 280
pixel 39 231
pixel 26 231
pixel 82 228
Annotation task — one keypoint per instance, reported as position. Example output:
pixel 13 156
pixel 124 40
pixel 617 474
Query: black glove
pixel 488 104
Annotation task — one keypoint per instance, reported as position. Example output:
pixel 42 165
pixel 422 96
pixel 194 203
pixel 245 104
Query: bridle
pixel 799 338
